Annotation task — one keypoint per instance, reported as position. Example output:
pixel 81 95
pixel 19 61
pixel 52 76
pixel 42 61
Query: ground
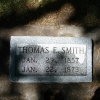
pixel 69 18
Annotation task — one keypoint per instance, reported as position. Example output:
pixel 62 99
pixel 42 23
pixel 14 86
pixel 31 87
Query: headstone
pixel 50 59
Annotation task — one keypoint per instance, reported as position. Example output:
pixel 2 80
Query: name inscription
pixel 51 59
pixel 40 49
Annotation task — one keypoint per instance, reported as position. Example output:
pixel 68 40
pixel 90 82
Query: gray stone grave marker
pixel 50 59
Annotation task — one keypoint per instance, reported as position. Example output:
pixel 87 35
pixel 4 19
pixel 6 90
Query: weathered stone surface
pixel 50 59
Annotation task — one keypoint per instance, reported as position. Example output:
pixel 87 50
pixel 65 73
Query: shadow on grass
pixel 17 13
pixel 53 94
pixel 4 56
pixel 21 15
pixel 96 95
pixel 87 14
pixel 60 91
pixel 4 68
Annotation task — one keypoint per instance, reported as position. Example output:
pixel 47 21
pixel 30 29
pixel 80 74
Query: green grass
pixel 19 6
pixel 14 12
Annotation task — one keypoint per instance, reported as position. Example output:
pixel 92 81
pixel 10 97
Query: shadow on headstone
pixel 96 95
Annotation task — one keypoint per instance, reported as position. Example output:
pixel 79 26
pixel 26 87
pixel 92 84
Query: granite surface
pixel 50 59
